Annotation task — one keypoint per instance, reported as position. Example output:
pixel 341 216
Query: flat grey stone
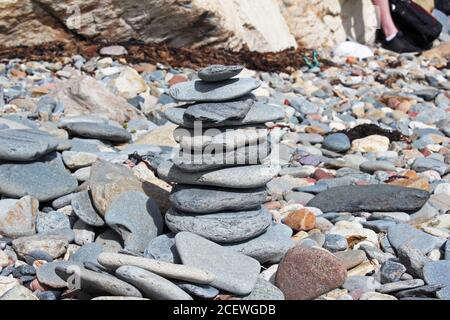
pixel 437 273
pixel 221 227
pixel 181 272
pixel 207 200
pixel 378 225
pixel 163 248
pixel 211 159
pixel 425 164
pixel 259 113
pixel 351 258
pixel 216 73
pixel 427 291
pixel 245 177
pixel 383 198
pixel 391 271
pixel 18 217
pixel 63 201
pixel 264 290
pixel 25 145
pixel 39 180
pixel 400 285
pixel 201 91
pixel 235 272
pixel 372 166
pixel 220 139
pixel 18 293
pixel 136 217
pixel 54 220
pixel 87 254
pixel 269 247
pixel 218 112
pixel 401 234
pixel 413 259
pixel 110 241
pixel 101 131
pixel 199 290
pixel 97 284
pixel 84 209
pixel 46 274
pixel 151 285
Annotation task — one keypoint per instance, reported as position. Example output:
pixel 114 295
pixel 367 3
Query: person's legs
pixel 387 24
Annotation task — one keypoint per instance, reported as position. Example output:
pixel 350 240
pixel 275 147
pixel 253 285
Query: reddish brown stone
pixel 319 174
pixel 307 273
pixel 301 220
pixel 179 78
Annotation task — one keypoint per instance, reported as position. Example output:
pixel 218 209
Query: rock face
pixel 230 24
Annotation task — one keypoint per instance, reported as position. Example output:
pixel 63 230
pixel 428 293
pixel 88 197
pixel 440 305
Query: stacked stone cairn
pixel 224 164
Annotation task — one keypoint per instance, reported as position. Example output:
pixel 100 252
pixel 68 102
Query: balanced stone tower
pixel 222 167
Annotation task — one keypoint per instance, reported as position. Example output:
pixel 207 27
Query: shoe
pixel 443 6
pixel 400 44
pixel 379 36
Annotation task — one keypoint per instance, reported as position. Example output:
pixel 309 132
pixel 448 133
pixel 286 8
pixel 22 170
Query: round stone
pixel 337 142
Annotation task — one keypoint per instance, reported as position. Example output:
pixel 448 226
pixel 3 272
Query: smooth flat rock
pixel 269 247
pixel 216 73
pixel 190 140
pixel 46 274
pixel 112 298
pixel 202 91
pixel 264 290
pixel 259 113
pixel 136 218
pixel 110 241
pixel 114 261
pixel 54 245
pixel 307 273
pixel 39 180
pixel 151 285
pixel 101 131
pixel 401 234
pixel 401 285
pixel 18 217
pixel 235 272
pixel 95 283
pixel 382 198
pixel 221 227
pixel 83 208
pixel 437 273
pixel 218 112
pixel 25 145
pixel 427 291
pixel 245 177
pixel 163 248
pixel 18 293
pixel 207 200
pixel 203 291
pixel 207 160
pixel 87 254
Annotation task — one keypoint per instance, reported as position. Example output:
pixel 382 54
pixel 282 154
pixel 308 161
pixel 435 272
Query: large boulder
pixel 229 24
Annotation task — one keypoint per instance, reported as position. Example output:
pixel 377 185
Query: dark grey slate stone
pixel 259 113
pixel 383 198
pixel 235 272
pixel 207 200
pixel 101 131
pixel 401 234
pixel 427 291
pixel 84 209
pixel 163 248
pixel 201 91
pixel 401 285
pixel 218 112
pixel 337 142
pixel 25 145
pixel 221 227
pixel 38 180
pixel 216 73
pixel 391 271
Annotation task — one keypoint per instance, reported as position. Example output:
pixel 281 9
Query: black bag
pixel 418 26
